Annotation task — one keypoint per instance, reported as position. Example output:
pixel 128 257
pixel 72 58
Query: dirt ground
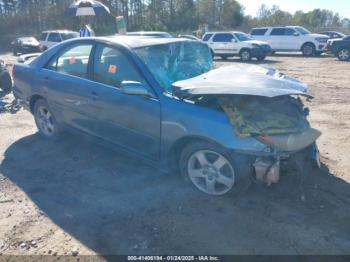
pixel 73 196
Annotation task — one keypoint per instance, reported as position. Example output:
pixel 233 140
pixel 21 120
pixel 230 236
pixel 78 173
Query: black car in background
pixel 340 48
pixel 333 34
pixel 25 45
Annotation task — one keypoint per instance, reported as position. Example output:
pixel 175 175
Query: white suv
pixel 226 44
pixel 51 38
pixel 291 38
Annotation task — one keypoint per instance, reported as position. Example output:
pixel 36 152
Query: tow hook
pixel 267 170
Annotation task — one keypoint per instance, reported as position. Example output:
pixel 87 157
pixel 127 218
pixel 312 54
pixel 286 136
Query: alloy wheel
pixel 308 50
pixel 245 56
pixel 344 54
pixel 211 172
pixel 45 121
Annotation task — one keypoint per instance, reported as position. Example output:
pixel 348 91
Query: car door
pixel 131 121
pixel 222 44
pixel 53 39
pixel 277 38
pixel 67 87
pixel 291 39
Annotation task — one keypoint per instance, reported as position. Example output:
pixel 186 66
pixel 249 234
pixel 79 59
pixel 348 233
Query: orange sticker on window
pixel 72 60
pixel 112 69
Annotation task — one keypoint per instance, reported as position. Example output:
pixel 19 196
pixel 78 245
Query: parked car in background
pixel 213 125
pixel 340 48
pixel 333 34
pixel 191 37
pixel 150 34
pixel 291 38
pixel 51 38
pixel 228 44
pixel 24 45
pixel 5 78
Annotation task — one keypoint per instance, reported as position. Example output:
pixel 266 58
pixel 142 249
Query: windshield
pixel 176 61
pixel 302 30
pixel 243 37
pixel 67 36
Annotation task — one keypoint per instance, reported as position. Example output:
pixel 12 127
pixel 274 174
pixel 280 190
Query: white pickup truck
pixel 291 38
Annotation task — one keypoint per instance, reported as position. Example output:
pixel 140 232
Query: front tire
pixel 245 55
pixel 211 169
pixel 343 54
pixel 308 49
pixel 45 120
pixel 261 58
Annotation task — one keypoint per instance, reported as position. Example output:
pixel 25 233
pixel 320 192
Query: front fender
pixel 182 119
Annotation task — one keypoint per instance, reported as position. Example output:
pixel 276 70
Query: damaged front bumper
pixel 267 168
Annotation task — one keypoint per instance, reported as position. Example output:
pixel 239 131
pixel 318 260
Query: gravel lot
pixel 73 196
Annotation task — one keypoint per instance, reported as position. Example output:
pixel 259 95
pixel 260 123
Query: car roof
pixel 216 32
pixel 136 42
pixel 268 27
pixel 147 32
pixel 59 31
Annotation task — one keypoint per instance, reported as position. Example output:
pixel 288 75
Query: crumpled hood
pixel 241 80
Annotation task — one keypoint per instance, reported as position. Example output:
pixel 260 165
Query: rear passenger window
pixel 207 37
pixel 223 38
pixel 111 67
pixel 74 61
pixel 258 31
pixel 278 31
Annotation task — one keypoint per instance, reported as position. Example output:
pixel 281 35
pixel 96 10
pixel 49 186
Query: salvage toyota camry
pixel 163 100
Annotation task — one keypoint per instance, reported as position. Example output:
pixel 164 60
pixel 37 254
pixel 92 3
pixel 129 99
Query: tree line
pixel 30 17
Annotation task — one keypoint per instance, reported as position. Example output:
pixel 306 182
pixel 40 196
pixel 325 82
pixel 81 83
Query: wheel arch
pixel 245 49
pixel 173 155
pixel 33 100
pixel 308 42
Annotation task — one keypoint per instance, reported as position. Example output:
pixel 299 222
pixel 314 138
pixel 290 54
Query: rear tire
pixel 245 55
pixel 212 169
pixel 45 121
pixel 308 49
pixel 343 54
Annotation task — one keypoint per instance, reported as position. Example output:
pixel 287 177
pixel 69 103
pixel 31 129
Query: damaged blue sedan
pixel 163 100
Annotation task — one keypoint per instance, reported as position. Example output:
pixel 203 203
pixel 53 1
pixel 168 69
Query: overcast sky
pixel 340 6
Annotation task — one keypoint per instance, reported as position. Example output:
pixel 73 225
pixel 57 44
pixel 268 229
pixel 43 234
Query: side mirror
pixel 295 34
pixel 134 88
pixel 233 40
